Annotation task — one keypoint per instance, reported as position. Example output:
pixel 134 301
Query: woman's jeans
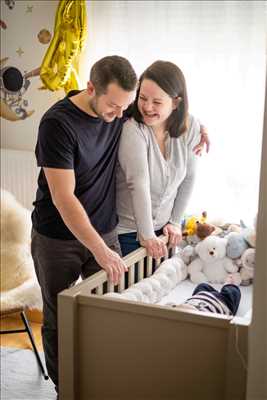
pixel 129 243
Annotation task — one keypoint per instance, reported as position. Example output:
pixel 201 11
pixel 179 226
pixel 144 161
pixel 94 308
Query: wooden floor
pixel 20 340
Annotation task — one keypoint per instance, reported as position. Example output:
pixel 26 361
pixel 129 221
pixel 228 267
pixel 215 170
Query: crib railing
pixel 140 266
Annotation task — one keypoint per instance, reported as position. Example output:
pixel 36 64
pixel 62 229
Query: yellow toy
pixel 189 225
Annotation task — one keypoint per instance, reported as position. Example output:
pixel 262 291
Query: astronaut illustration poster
pixel 15 77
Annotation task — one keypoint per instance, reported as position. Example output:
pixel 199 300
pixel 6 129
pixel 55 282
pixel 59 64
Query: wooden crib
pixel 116 349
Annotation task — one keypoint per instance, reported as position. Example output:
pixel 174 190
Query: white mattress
pixel 185 289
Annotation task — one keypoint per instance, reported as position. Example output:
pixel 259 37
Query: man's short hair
pixel 113 69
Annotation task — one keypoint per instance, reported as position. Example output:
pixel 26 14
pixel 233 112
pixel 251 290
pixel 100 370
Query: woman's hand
pixel 155 247
pixel 203 141
pixel 174 234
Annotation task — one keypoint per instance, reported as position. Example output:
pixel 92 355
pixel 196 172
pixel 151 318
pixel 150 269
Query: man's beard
pixel 103 116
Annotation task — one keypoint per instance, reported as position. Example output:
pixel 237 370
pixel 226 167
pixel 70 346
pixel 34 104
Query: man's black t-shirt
pixel 69 138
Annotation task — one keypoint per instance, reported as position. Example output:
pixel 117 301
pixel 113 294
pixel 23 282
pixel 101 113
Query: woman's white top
pixel 152 190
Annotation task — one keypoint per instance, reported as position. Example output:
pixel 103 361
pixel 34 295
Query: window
pixel 220 47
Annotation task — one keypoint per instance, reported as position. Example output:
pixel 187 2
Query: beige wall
pixel 257 372
pixel 23 23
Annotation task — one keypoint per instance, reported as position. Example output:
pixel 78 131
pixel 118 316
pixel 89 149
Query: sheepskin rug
pixel 18 285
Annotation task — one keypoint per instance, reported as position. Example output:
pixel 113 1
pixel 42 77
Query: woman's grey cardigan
pixel 152 190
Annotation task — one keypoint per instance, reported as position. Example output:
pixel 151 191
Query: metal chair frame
pixel 30 334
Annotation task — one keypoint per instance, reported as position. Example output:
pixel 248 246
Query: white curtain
pixel 220 47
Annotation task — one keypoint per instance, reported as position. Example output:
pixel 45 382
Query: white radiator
pixel 19 175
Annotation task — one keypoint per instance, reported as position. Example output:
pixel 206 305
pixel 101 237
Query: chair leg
pixel 29 331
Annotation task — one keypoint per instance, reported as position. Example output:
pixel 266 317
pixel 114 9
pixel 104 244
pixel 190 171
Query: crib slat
pixel 149 266
pixel 99 290
pixel 158 262
pixel 121 285
pixel 131 275
pixel 140 270
pixel 110 287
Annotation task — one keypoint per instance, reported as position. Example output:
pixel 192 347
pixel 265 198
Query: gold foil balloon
pixel 59 68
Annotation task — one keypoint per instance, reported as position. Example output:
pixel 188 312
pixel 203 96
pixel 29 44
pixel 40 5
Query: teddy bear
pixel 19 286
pixel 212 264
pixel 203 229
pixel 247 266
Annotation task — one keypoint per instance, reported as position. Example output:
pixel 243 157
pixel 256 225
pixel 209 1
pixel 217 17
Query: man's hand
pixel 203 141
pixel 156 248
pixel 111 262
pixel 174 234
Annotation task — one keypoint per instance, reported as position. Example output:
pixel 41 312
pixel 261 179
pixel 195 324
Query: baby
pixel 206 298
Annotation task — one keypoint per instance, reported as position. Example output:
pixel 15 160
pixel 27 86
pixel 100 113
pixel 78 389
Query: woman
pixel 157 161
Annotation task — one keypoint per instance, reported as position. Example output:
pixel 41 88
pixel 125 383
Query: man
pixel 74 219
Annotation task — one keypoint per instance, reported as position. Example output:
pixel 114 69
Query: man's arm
pixel 61 184
pixel 204 140
pixel 186 187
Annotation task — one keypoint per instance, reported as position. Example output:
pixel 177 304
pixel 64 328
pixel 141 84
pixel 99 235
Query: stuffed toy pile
pixel 235 243
pixel 19 286
pixel 197 228
pixel 208 253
